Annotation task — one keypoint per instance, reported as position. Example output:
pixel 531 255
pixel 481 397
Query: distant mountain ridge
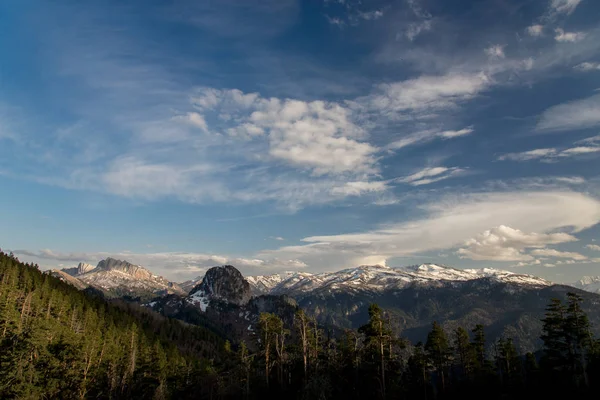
pixel 118 278
pixel 589 284
pixel 378 278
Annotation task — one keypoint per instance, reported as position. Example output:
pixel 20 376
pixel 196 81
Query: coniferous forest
pixel 59 342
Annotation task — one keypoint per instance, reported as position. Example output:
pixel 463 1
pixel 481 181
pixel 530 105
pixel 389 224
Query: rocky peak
pixel 111 264
pixel 224 283
pixel 84 268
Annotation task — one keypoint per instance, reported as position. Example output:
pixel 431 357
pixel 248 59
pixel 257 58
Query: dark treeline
pixel 58 342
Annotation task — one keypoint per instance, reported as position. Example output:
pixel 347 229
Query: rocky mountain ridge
pixel 378 278
pixel 117 278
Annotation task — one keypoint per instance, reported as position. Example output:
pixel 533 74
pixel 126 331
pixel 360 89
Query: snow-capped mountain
pixel 120 278
pixel 589 284
pixel 510 304
pixel 378 278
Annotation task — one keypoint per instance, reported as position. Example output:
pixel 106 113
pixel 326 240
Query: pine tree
pixel 556 348
pixel 465 353
pixel 578 337
pixel 439 352
pixel 379 338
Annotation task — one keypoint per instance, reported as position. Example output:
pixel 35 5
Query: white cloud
pixel 132 177
pixel 592 247
pixel 573 151
pixel 528 263
pixel 495 51
pixel 564 37
pixel 453 134
pixel 535 30
pixel 425 94
pixel 593 140
pixel 318 136
pixel 587 66
pixel 416 28
pixel 564 6
pixel 528 155
pixel 359 187
pixel 549 155
pixel 371 15
pixel 558 254
pixel 572 180
pixel 449 222
pixel 195 119
pixel 428 135
pixel 578 114
pixel 430 175
pixel 277 238
pixel 504 243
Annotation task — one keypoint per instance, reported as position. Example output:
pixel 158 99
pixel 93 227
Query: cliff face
pixel 224 283
pixel 110 264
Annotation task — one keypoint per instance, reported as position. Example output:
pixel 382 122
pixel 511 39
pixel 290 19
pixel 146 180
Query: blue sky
pixel 289 135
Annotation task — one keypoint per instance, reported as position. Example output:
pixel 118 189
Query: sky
pixel 287 135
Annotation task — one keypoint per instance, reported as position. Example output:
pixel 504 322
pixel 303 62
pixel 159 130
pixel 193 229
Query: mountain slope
pixel 508 304
pixel 58 342
pixel 65 277
pixel 118 278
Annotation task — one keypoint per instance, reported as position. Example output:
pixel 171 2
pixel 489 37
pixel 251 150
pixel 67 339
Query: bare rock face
pixel 84 268
pixel 116 278
pixel 110 264
pixel 223 283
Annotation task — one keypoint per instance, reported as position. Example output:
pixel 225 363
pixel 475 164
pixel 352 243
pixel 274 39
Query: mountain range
pixel 509 304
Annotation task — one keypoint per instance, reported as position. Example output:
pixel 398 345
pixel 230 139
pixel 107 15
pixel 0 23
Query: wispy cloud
pixel 450 222
pixel 535 30
pixel 460 132
pixel 553 154
pixel 587 66
pixel 529 155
pixel 495 51
pixel 426 94
pixel 578 114
pixel 558 254
pixel 562 36
pixel 564 6
pixel 427 136
pixel 431 175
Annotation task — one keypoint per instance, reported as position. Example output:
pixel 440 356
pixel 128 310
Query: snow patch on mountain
pixel 589 284
pixel 378 278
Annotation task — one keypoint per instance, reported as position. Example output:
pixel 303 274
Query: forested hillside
pixel 59 342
